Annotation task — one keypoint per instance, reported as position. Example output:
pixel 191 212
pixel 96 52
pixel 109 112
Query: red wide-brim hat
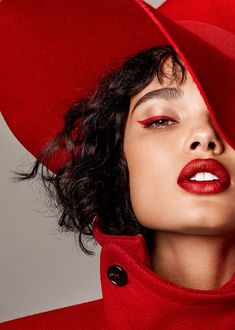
pixel 53 52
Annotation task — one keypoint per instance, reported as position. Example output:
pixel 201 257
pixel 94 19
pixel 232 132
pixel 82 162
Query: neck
pixel 194 261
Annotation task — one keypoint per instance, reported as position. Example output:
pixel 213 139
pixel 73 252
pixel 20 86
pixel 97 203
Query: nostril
pixel 211 145
pixel 194 145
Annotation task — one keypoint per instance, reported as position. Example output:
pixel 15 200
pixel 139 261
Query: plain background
pixel 41 268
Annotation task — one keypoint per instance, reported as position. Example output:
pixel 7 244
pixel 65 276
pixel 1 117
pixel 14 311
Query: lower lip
pixel 204 187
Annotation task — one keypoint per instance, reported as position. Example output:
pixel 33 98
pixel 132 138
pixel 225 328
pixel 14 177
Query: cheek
pixel 150 178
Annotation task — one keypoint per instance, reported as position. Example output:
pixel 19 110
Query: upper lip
pixel 204 165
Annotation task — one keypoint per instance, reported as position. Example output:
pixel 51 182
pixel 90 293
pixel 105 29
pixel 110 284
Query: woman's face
pixel 157 151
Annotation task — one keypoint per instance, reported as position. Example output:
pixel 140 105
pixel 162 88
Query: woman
pixel 145 165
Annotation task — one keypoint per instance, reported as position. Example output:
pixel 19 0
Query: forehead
pixel 171 75
pixel 170 89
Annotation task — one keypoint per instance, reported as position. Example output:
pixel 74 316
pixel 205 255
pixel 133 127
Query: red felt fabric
pixel 52 52
pixel 147 301
pixel 78 317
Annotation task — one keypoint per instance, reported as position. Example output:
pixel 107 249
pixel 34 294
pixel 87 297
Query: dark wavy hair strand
pixel 95 182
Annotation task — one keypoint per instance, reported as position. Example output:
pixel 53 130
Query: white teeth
pixel 204 176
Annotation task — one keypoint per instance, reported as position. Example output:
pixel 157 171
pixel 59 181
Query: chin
pixel 209 222
pixel 205 217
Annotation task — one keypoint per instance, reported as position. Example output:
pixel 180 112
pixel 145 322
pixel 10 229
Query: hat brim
pixel 212 67
pixel 54 52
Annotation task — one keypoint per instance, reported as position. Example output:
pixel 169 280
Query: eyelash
pixel 154 122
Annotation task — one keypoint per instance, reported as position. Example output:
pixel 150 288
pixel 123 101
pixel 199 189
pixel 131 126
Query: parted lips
pixel 204 176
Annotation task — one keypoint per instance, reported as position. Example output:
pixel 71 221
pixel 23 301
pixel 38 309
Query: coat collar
pixel 144 299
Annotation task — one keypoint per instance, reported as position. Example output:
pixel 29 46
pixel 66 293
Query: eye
pixel 157 122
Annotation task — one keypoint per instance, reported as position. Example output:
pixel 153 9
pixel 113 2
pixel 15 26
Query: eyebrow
pixel 166 93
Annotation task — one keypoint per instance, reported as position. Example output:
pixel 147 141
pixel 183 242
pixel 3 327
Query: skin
pixel 194 234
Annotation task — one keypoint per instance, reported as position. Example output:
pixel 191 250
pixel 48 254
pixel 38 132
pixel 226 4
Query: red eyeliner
pixel 152 119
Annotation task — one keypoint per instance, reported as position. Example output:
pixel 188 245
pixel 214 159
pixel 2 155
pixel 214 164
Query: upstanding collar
pixel 137 298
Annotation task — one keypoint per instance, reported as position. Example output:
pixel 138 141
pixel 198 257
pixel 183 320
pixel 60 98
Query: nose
pixel 203 139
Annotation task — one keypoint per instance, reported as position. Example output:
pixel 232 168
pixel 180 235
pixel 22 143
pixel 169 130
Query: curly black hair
pixel 94 182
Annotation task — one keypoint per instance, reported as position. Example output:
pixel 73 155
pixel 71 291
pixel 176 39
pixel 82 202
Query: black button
pixel 117 275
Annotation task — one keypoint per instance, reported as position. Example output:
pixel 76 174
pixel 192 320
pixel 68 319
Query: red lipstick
pixel 212 166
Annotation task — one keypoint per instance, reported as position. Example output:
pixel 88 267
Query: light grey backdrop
pixel 41 268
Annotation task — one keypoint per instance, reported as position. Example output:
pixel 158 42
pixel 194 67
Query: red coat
pixel 134 297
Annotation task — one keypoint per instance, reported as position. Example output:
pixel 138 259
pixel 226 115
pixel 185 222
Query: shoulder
pixel 86 316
